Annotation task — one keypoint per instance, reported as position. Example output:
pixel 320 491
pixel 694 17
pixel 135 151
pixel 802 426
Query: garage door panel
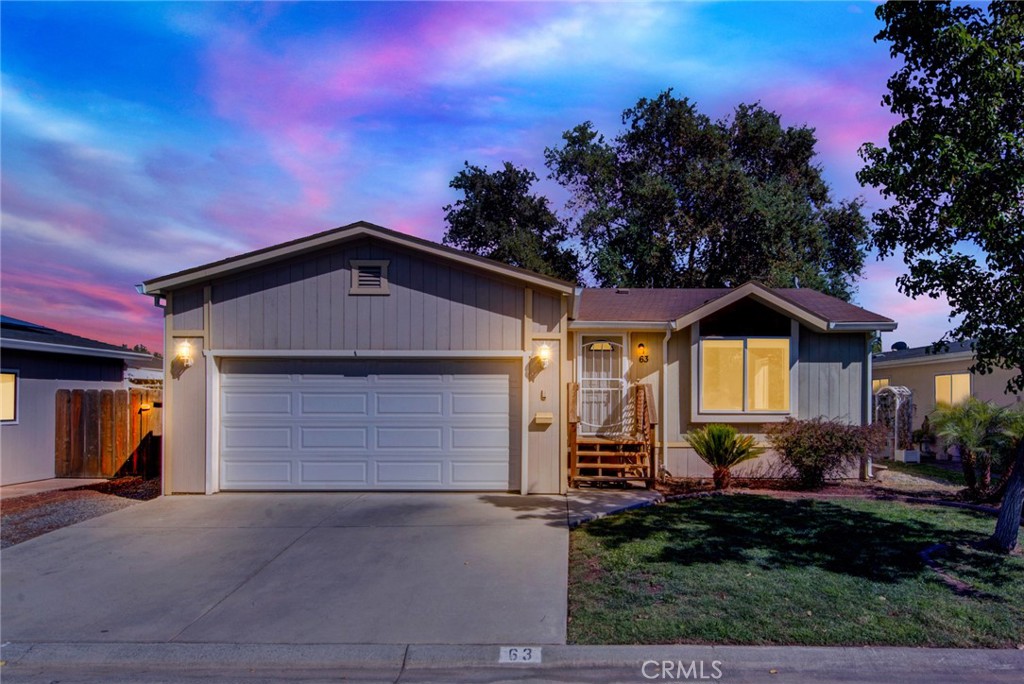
pixel 389 403
pixel 333 438
pixel 335 473
pixel 368 424
pixel 334 404
pixel 409 472
pixel 260 473
pixel 250 437
pixel 416 439
pixel 258 403
pixel 480 438
pixel 477 472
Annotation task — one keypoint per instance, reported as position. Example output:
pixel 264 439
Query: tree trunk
pixel 1007 531
pixel 721 477
pixel 984 472
pixel 967 463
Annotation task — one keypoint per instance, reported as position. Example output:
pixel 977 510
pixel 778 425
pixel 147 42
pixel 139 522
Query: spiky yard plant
pixel 722 448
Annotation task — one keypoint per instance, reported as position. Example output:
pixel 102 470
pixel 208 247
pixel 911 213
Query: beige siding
pixel 547 312
pixel 187 309
pixel 305 304
pixel 544 439
pixel 184 401
pixel 921 381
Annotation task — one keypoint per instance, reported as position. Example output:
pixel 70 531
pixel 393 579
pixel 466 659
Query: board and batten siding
pixel 832 376
pixel 187 309
pixel 304 303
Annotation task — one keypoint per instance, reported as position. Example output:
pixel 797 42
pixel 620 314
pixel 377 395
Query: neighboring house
pixel 363 358
pixel 35 362
pixel 940 377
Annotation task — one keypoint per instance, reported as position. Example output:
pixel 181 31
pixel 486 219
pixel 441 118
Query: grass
pixel 928 472
pixel 748 569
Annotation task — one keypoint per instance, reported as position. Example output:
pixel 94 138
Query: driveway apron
pixel 316 568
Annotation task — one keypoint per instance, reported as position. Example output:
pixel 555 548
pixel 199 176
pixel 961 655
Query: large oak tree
pixel 679 200
pixel 953 175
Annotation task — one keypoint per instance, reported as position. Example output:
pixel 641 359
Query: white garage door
pixel 389 425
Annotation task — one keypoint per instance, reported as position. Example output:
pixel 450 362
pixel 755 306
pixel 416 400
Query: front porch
pixel 614 456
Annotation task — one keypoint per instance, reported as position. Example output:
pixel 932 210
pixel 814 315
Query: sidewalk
pixel 424 663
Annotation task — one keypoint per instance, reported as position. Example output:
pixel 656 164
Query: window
pixel 8 396
pixel 952 388
pixel 748 374
pixel 369 277
pixel 879 384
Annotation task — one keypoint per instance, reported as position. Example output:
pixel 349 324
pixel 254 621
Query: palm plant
pixel 977 429
pixel 721 447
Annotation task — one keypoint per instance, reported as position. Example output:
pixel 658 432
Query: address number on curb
pixel 518 654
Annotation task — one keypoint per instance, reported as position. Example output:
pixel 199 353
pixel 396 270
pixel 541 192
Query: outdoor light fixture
pixel 641 353
pixel 183 353
pixel 544 355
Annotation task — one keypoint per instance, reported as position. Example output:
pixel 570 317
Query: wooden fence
pixel 107 433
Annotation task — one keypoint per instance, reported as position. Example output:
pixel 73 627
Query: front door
pixel 602 382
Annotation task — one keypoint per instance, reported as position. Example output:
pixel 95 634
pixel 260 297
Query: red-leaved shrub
pixel 817 449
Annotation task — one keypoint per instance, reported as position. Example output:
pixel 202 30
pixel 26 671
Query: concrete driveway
pixel 298 569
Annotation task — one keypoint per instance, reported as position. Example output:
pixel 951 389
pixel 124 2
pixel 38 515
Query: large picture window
pixel 952 388
pixel 8 397
pixel 745 375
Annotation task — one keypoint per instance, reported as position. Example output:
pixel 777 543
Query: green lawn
pixel 747 569
pixel 928 472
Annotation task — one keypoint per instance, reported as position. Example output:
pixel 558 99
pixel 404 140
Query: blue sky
pixel 142 138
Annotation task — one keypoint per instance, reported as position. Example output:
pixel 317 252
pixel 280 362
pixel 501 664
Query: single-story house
pixel 363 358
pixel 936 377
pixel 35 362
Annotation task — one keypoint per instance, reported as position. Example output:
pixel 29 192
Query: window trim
pixel 356 264
pixel 17 395
pixel 696 413
pixel 936 376
pixel 703 412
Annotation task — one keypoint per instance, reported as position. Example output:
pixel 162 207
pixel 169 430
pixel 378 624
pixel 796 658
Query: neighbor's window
pixel 750 374
pixel 369 276
pixel 952 388
pixel 879 384
pixel 8 397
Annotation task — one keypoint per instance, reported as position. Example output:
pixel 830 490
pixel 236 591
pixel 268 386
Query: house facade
pixel 36 362
pixel 363 358
pixel 940 377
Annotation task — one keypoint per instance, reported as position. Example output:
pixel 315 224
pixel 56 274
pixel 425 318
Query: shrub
pixel 722 448
pixel 817 449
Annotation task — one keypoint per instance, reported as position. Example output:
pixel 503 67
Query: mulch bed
pixel 26 517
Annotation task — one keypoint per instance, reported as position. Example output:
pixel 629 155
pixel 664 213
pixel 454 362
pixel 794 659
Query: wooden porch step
pixel 581 453
pixel 609 478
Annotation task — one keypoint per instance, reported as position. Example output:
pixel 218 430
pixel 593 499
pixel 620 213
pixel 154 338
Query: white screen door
pixel 602 384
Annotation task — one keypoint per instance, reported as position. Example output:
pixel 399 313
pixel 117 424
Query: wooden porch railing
pixel 614 460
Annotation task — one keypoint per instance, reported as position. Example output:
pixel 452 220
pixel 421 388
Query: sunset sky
pixel 139 139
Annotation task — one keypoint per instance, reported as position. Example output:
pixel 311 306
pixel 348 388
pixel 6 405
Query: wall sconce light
pixel 544 355
pixel 183 353
pixel 145 407
pixel 641 353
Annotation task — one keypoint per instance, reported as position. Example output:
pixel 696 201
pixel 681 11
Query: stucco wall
pixel 921 381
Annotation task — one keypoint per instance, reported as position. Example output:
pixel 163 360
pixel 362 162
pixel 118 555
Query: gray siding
pixel 831 376
pixel 184 443
pixel 305 304
pixel 187 309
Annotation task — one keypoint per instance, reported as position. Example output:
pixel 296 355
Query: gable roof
pixel 329 238
pixel 684 306
pixel 18 334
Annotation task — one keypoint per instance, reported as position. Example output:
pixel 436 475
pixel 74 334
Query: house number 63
pixel 519 654
pixel 644 358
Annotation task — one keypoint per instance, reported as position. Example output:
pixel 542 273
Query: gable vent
pixel 369 277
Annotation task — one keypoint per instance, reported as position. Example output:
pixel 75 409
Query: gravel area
pixel 25 517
